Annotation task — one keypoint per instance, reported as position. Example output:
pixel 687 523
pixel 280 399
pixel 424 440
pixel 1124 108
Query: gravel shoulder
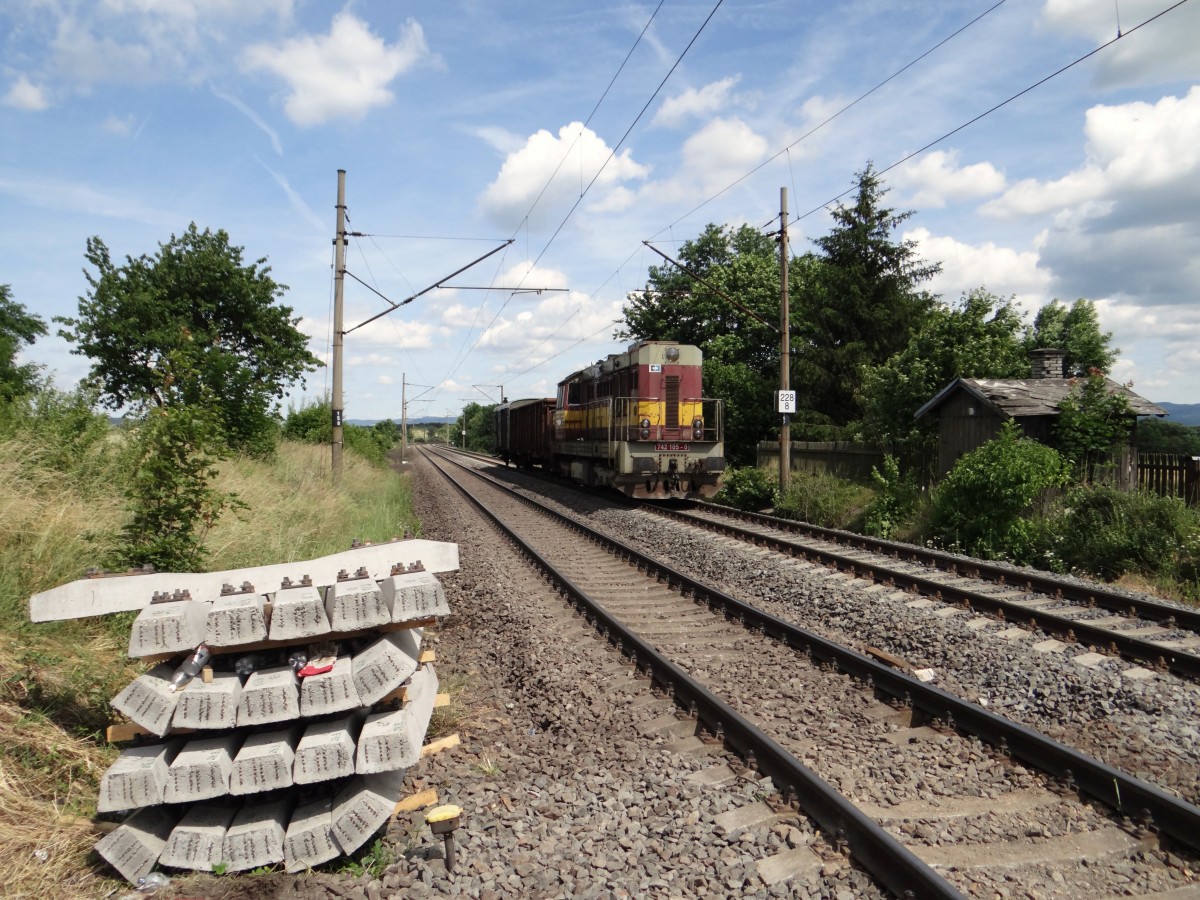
pixel 563 796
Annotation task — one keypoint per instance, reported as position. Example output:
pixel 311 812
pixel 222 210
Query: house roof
pixel 1020 397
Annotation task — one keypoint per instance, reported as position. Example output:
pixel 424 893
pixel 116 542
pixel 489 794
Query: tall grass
pixel 56 679
pixel 296 513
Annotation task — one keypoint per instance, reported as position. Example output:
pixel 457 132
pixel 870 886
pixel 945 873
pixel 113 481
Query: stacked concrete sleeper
pixel 278 769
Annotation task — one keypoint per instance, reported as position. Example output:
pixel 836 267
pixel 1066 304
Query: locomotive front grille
pixel 671 419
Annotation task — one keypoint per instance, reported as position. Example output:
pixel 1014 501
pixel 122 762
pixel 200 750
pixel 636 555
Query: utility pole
pixel 403 418
pixel 339 272
pixel 785 360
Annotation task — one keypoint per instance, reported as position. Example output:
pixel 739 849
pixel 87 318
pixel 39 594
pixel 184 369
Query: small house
pixel 970 411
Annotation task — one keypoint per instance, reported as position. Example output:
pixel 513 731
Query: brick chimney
pixel 1047 362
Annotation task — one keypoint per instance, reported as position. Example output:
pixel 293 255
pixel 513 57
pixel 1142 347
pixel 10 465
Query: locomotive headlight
pixel 645 423
pixel 672 354
pixel 645 434
pixel 697 428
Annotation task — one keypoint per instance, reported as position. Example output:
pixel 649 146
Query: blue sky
pixel 462 125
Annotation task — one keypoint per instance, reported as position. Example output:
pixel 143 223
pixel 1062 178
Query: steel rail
pixel 1093 595
pixel 1127 795
pixel 1011 609
pixel 890 862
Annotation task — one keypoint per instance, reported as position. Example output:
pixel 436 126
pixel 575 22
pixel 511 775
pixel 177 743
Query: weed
pixel 488 767
pixel 446 720
pixel 371 861
pixel 821 498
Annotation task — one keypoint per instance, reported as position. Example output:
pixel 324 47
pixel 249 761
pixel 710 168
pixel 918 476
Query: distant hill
pixel 1183 413
pixel 420 420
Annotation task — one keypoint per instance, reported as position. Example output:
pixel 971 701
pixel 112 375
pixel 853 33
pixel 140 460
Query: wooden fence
pixel 1165 474
pixel 843 458
pixel 1170 475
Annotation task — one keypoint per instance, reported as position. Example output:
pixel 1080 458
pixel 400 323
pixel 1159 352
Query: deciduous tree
pixel 1075 330
pixel 741 354
pixel 194 293
pixel 18 328
pixel 980 336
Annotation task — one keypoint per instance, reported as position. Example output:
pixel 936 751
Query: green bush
pixel 1107 532
pixel 894 503
pixel 989 503
pixel 824 499
pixel 171 495
pixel 313 424
pixel 748 488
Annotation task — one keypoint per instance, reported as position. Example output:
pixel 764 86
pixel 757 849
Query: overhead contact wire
pixel 609 158
pixel 830 118
pixel 1001 104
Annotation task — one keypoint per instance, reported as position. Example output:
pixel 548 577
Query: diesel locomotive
pixel 635 422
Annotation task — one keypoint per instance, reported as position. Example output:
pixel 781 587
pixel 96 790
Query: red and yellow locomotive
pixel 635 421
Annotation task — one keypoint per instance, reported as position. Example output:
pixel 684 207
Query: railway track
pixel 1160 635
pixel 964 807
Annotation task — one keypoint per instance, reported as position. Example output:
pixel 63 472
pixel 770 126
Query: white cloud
pixel 84 59
pixel 386 380
pixel 369 359
pixel 935 178
pixel 718 154
pixel 24 94
pixel 1165 49
pixel 373 343
pixel 121 125
pixel 1002 270
pixel 1124 222
pixel 569 162
pixel 79 46
pixel 80 198
pixel 191 11
pixel 530 336
pixel 500 139
pixel 1133 148
pixel 531 277
pixel 1160 346
pixel 343 74
pixel 709 99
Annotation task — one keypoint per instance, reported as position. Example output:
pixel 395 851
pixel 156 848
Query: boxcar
pixel 523 431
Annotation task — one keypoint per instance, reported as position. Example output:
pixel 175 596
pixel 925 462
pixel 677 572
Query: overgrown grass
pixel 56 679
pixel 823 499
pixel 296 513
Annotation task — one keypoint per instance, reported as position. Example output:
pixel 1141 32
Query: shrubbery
pixel 313 424
pixel 171 496
pixel 894 503
pixel 987 506
pixel 823 499
pixel 1109 533
pixel 749 489
pixel 59 431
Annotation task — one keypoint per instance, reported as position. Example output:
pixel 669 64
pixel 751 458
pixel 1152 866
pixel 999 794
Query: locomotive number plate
pixel 674 448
